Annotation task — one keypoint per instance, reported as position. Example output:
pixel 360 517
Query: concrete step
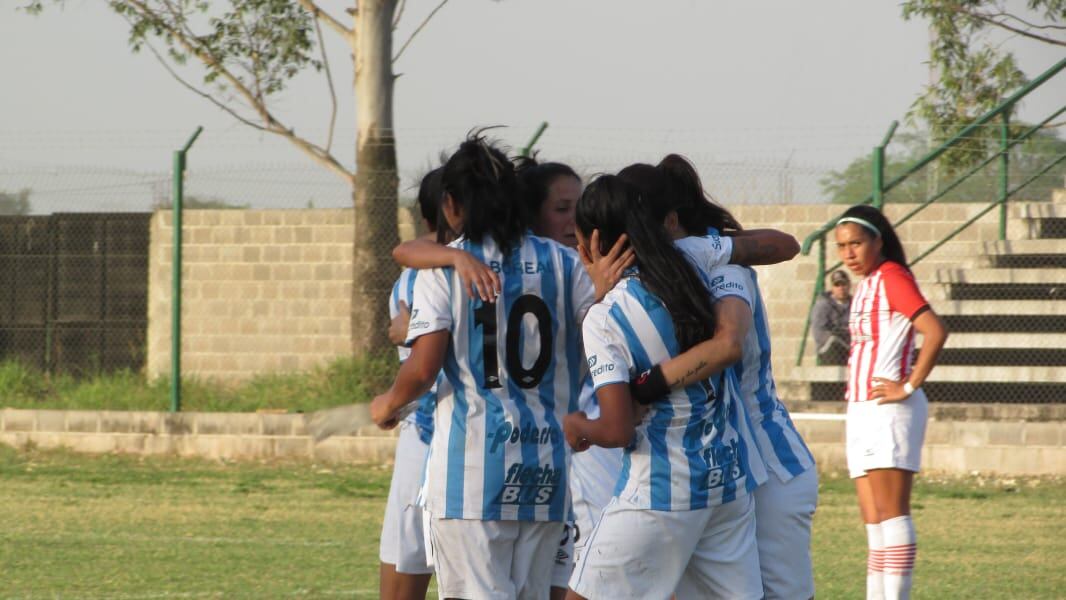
pixel 1037 210
pixel 952 374
pixel 1003 308
pixel 1012 341
pixel 999 284
pixel 1008 254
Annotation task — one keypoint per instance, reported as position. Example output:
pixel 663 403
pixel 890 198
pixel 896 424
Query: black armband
pixel 650 386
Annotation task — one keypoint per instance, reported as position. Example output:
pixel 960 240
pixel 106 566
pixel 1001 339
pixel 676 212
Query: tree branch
pixel 418 29
pixel 1024 22
pixel 1022 32
pixel 311 7
pixel 332 92
pixel 271 124
pixel 399 14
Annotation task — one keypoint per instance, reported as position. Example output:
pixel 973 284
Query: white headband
pixel 863 222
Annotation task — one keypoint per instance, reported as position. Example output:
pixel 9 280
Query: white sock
pixel 901 546
pixel 875 586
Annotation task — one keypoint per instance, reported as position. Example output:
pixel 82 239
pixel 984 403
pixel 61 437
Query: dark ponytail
pixel 535 179
pixel 695 210
pixel 482 181
pixel 614 207
pixel 430 193
pixel 891 247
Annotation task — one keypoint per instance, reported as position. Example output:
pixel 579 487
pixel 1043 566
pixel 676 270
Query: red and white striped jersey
pixel 882 335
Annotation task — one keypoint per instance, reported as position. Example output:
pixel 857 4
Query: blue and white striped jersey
pixel 689 452
pixel 780 445
pixel 422 417
pixel 498 452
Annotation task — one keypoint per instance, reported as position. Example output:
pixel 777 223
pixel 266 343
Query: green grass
pixel 341 382
pixel 126 527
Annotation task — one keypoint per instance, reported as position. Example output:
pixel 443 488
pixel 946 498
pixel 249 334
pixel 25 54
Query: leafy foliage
pixel 854 183
pixel 15 203
pixel 974 75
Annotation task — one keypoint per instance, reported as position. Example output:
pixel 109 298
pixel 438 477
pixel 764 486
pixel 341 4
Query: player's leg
pixel 637 553
pixel 563 566
pixel 404 571
pixel 783 517
pixel 725 562
pixel 875 559
pixel 892 491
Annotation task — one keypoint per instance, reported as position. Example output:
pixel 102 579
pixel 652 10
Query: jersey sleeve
pixel 707 252
pixel 731 280
pixel 902 291
pixel 431 308
pixel 605 349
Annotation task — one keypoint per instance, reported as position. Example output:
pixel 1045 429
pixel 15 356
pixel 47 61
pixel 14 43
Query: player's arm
pixel 475 275
pixel 615 427
pixel 762 247
pixel 732 322
pixel 415 377
pixel 934 335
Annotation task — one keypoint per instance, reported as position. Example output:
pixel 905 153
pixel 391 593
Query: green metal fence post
pixel 879 168
pixel 175 287
pixel 819 288
pixel 1004 173
pixel 533 140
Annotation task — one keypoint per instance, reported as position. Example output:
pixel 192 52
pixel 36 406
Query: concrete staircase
pixel 1004 303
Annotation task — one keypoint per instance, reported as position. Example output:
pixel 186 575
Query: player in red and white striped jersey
pixel 886 407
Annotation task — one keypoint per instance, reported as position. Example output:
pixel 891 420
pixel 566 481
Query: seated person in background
pixel 829 320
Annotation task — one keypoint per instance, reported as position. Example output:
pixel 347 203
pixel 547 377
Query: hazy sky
pixel 741 87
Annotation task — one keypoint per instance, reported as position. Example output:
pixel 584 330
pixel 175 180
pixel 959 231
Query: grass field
pixel 342 381
pixel 124 527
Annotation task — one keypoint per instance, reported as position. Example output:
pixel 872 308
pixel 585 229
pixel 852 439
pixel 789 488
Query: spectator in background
pixel 829 319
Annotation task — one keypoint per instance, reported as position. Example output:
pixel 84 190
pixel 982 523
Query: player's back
pixel 515 366
pixel 688 452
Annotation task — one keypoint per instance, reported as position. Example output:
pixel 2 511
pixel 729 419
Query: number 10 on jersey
pixel 485 318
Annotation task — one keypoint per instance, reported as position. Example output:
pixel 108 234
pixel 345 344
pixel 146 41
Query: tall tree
pixel 249 51
pixel 15 203
pixel 973 73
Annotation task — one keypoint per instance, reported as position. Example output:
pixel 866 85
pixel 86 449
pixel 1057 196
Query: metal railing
pixel 1004 192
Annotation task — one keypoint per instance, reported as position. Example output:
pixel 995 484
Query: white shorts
pixel 783 514
pixel 886 436
pixel 490 560
pixel 564 556
pixel 650 554
pixel 402 533
pixel 593 476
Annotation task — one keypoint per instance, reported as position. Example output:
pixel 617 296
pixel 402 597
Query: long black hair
pixel 482 181
pixel 614 207
pixel 430 193
pixel 535 179
pixel 695 209
pixel 891 247
pixel 653 186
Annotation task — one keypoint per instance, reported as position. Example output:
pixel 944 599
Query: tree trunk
pixel 376 179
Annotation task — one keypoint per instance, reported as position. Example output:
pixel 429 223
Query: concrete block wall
pixel 270 290
pixel 263 290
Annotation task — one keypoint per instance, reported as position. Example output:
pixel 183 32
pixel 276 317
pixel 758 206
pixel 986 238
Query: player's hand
pixel 398 325
pixel 606 270
pixel 381 412
pixel 574 430
pixel 478 279
pixel 887 390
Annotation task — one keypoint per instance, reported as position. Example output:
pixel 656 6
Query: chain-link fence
pixel 271 282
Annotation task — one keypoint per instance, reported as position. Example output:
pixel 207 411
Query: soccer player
pixel 785 505
pixel 404 571
pixel 887 408
pixel 496 479
pixel 682 518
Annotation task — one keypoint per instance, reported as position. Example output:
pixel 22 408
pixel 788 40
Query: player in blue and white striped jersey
pixel 686 475
pixel 496 480
pixel 785 505
pixel 404 571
